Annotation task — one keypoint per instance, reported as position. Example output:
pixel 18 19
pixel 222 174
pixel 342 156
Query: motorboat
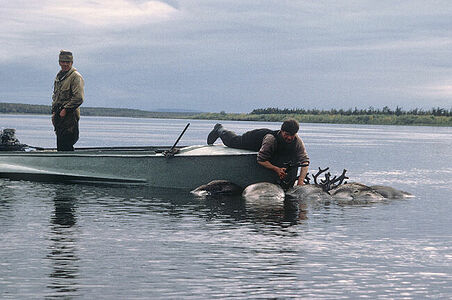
pixel 184 167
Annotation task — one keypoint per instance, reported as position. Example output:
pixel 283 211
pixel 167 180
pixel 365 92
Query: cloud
pixel 443 91
pixel 233 55
pixel 31 30
pixel 105 13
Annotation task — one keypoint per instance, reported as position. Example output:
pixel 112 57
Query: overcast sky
pixel 232 55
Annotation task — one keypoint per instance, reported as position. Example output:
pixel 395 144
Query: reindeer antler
pixel 335 182
pixel 328 183
pixel 317 175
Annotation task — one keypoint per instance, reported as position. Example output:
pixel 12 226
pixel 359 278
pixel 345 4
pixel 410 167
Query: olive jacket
pixel 68 93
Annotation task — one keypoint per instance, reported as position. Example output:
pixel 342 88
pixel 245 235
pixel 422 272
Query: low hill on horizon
pixel 18 108
pixel 371 116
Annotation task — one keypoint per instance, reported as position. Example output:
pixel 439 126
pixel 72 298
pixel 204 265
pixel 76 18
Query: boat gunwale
pixel 135 152
pixel 156 155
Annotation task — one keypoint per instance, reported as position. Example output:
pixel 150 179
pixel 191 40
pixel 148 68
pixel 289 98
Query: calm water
pixel 101 242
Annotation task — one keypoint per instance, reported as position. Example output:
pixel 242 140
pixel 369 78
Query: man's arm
pixel 265 153
pixel 77 91
pixel 303 159
pixel 280 171
pixel 78 94
pixel 303 172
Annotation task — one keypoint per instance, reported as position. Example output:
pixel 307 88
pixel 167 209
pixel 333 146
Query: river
pixel 112 242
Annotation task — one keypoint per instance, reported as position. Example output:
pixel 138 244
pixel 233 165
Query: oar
pixel 172 151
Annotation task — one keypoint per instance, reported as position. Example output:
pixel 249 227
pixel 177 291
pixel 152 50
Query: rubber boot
pixel 214 134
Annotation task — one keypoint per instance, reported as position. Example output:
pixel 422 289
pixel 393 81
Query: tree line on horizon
pixel 19 108
pixel 355 112
pixel 370 116
pixel 398 111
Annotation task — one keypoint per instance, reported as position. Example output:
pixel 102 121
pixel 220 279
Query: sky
pixel 231 55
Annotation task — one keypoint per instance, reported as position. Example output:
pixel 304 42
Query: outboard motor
pixel 9 142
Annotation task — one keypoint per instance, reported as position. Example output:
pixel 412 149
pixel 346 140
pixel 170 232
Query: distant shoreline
pixel 263 115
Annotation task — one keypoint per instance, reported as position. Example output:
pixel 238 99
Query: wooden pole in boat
pixel 178 139
pixel 171 151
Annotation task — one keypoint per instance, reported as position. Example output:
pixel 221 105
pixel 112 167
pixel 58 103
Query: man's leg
pixel 229 138
pixel 66 142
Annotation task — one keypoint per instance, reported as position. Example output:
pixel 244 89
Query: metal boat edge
pixel 190 167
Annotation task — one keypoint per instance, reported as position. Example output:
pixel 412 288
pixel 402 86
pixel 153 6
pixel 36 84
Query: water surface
pixel 113 242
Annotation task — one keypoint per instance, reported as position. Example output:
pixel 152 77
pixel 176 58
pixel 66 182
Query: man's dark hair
pixel 291 126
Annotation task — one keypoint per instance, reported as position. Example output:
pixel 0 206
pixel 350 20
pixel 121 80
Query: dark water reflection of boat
pixel 177 203
pixel 62 250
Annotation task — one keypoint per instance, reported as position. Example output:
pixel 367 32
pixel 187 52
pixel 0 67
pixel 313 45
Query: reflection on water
pixel 235 208
pixel 170 244
pixel 177 203
pixel 63 246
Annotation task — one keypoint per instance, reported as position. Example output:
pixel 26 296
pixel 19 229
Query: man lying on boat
pixel 275 147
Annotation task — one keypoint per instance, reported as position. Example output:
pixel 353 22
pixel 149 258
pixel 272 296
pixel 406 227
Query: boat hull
pixel 190 167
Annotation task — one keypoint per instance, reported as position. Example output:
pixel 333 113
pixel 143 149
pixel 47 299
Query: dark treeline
pixel 11 108
pixel 370 116
pixel 355 112
pixel 17 108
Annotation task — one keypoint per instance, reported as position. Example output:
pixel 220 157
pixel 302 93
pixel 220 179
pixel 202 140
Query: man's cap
pixel 66 56
pixel 291 126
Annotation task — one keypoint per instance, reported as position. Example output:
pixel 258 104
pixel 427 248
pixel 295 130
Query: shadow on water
pixel 63 246
pixel 229 209
pixel 178 203
pixel 6 197
pixel 234 209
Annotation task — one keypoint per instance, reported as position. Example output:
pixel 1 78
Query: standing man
pixel 67 96
pixel 275 147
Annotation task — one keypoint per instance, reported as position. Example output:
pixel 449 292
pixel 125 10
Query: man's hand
pixel 63 113
pixel 281 172
pixel 303 173
pixel 300 182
